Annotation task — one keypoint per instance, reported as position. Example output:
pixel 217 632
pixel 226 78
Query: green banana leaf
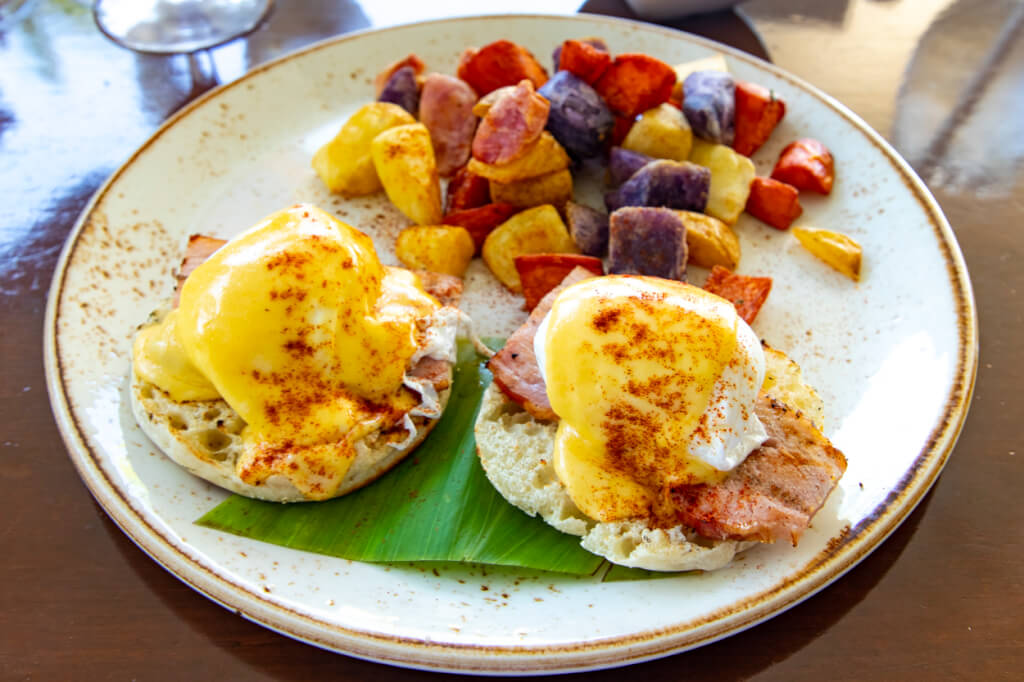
pixel 437 505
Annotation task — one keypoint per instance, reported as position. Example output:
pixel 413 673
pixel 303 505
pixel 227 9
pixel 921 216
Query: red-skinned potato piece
pixel 446 108
pixel 583 60
pixel 758 111
pixel 499 64
pixel 807 165
pixel 466 190
pixel 747 293
pixel 542 272
pixel 511 125
pixel 774 202
pixel 382 78
pixel 481 220
pixel 634 83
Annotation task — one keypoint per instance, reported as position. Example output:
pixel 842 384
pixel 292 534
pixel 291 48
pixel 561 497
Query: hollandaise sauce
pixel 654 383
pixel 298 326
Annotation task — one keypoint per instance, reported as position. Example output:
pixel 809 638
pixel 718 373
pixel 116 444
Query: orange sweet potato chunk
pixel 480 221
pixel 774 202
pixel 542 272
pixel 634 83
pixel 583 60
pixel 807 165
pixel 748 294
pixel 758 111
pixel 499 64
pixel 466 190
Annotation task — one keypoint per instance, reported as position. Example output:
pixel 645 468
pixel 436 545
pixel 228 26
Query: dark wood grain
pixel 941 599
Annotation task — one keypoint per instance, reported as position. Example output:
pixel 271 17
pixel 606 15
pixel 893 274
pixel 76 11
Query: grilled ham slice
pixel 773 494
pixel 515 367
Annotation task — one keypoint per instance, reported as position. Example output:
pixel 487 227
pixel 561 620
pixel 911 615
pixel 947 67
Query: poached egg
pixel 298 326
pixel 654 383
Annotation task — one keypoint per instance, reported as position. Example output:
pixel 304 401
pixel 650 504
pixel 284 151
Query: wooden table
pixel 941 599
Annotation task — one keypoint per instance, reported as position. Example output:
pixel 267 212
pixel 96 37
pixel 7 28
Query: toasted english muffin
pixel 515 451
pixel 204 437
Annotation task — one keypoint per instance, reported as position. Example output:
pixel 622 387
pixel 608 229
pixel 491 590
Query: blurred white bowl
pixel 668 9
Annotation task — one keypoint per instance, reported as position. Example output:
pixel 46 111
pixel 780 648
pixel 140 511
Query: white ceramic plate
pixel 894 359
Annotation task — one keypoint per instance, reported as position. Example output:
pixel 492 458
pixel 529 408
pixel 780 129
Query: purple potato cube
pixel 674 184
pixel 588 228
pixel 709 104
pixel 647 241
pixel 403 90
pixel 622 163
pixel 579 119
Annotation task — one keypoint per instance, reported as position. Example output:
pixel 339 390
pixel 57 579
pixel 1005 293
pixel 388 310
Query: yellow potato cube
pixel 661 132
pixel 838 251
pixel 438 248
pixel 709 241
pixel 544 156
pixel 715 62
pixel 553 188
pixel 404 159
pixel 535 230
pixel 345 164
pixel 731 175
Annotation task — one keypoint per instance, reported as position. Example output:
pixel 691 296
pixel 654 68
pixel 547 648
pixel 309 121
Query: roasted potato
pixel 834 248
pixel 715 62
pixel 403 89
pixel 543 157
pixel 643 240
pixel 484 104
pixel 709 103
pixel 674 184
pixel 511 126
pixel 588 228
pixel 404 159
pixel 536 230
pixel 579 119
pixel 345 164
pixel 446 108
pixel 438 248
pixel 709 241
pixel 622 163
pixel 551 188
pixel 661 132
pixel 731 175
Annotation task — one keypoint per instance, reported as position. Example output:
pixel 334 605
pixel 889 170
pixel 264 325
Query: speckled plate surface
pixel 894 358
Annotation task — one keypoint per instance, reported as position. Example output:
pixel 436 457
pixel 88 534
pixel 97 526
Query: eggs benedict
pixel 632 411
pixel 296 366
